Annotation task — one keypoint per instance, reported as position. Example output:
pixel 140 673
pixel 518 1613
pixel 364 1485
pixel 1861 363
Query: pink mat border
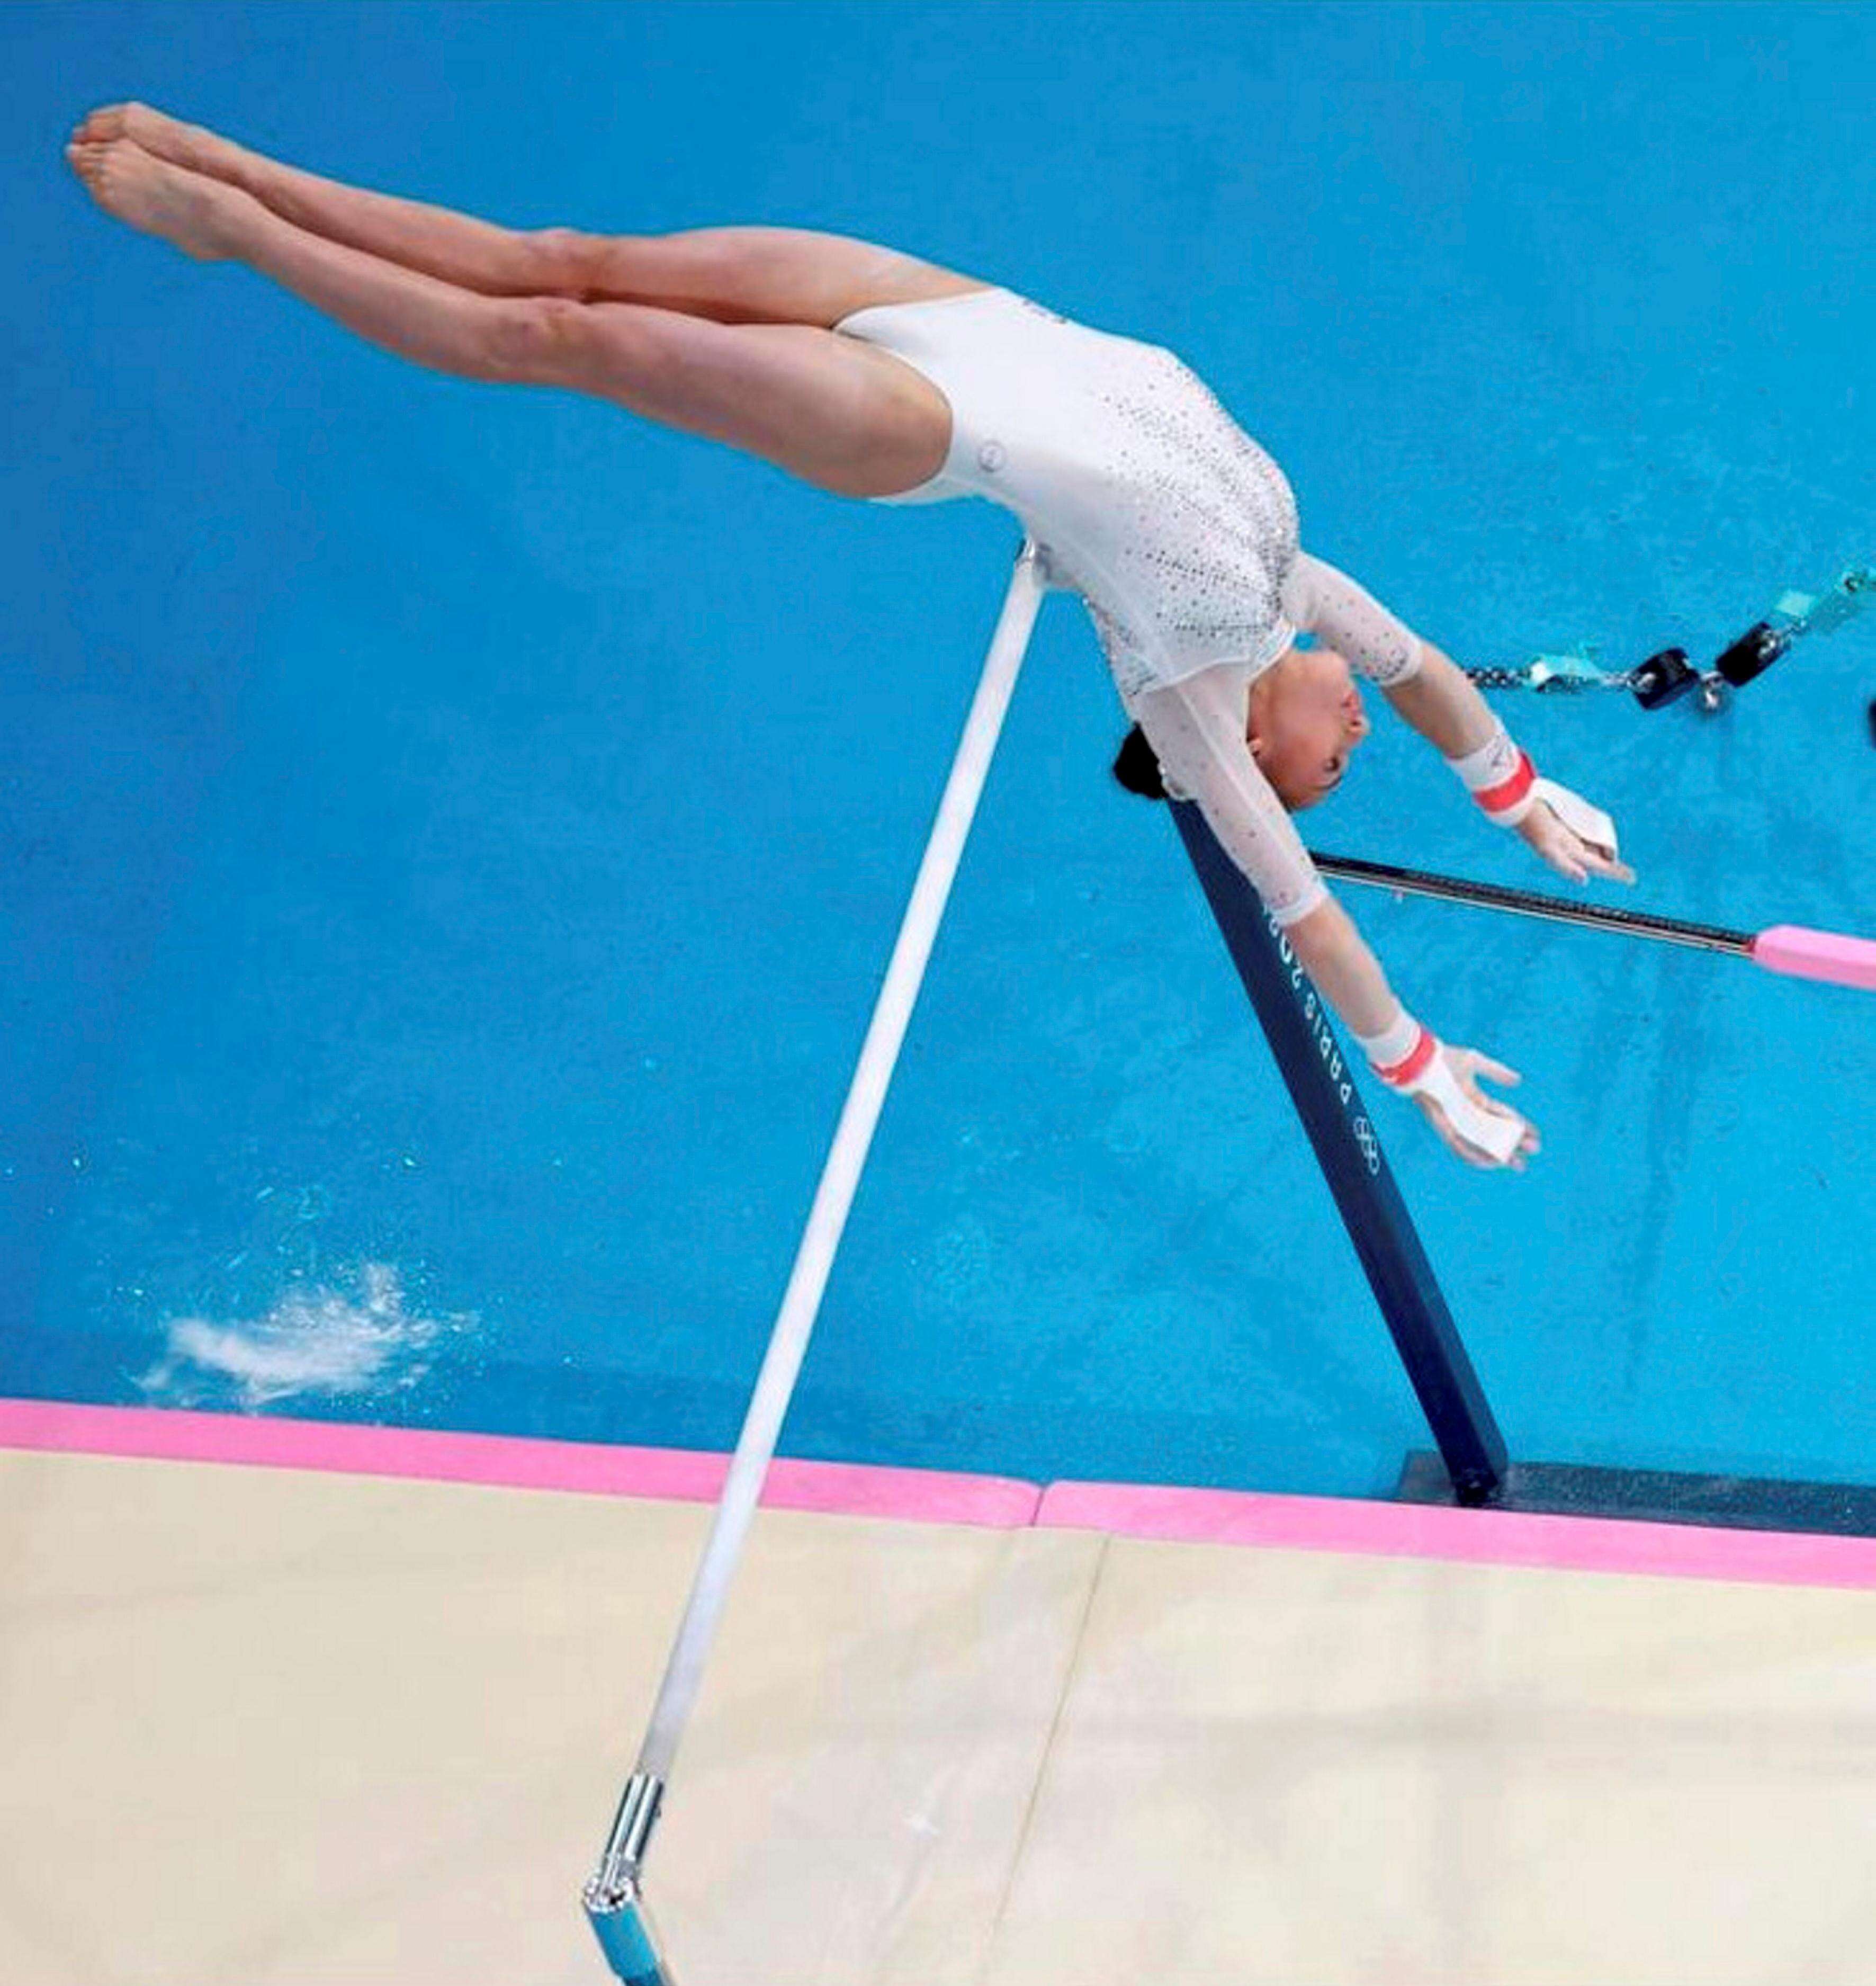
pixel 510 1461
pixel 1132 1510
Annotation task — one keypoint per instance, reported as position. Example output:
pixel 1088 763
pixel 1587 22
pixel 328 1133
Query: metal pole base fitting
pixel 622 1866
pixel 615 1898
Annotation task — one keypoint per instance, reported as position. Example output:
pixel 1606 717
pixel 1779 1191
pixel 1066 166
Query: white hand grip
pixel 1589 822
pixel 1499 1136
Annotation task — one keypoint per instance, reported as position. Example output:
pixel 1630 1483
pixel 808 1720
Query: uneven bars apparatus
pixel 614 1897
pixel 1474 1467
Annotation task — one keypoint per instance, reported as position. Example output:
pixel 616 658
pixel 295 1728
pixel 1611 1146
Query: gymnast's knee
pixel 538 341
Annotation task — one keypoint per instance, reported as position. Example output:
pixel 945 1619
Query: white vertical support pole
pixel 616 1886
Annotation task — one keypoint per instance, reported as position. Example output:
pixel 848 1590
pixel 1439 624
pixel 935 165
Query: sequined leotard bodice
pixel 1177 530
pixel 1149 500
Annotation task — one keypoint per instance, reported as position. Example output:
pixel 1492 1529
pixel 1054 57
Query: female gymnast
pixel 872 374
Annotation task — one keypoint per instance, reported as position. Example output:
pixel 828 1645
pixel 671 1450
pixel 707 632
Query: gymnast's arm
pixel 1196 729
pixel 1438 698
pixel 1440 703
pixel 1425 687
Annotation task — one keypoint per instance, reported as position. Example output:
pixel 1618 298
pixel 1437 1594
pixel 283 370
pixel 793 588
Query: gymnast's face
pixel 1306 720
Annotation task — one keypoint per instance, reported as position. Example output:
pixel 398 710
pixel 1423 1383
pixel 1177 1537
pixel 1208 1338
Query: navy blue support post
pixel 1322 1088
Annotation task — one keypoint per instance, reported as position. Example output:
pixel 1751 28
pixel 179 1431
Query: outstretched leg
pixel 838 413
pixel 735 275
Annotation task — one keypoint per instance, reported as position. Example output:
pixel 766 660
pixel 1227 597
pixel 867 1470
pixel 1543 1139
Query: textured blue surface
pixel 453 834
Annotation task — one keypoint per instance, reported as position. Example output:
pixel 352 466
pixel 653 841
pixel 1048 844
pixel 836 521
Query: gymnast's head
pixel 1305 723
pixel 1305 719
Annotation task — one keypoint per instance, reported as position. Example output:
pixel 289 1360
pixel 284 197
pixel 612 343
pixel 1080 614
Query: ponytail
pixel 1136 768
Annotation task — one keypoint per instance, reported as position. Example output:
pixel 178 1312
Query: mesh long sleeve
pixel 1377 643
pixel 1196 728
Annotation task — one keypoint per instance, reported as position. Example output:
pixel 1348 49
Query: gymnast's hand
pixel 1463 1067
pixel 1413 1061
pixel 1576 840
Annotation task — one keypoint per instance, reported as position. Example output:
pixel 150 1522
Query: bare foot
pixel 199 215
pixel 162 137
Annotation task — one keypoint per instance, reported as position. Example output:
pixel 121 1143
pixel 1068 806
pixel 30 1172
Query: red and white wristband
pixel 1400 1054
pixel 1411 1060
pixel 1502 779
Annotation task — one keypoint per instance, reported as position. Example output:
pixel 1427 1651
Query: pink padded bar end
pixel 1815 954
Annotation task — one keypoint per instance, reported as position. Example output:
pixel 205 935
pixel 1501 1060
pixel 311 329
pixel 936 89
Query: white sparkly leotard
pixel 1175 528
